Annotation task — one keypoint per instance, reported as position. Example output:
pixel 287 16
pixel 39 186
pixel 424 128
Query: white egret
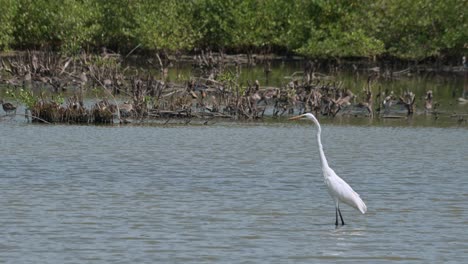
pixel 338 189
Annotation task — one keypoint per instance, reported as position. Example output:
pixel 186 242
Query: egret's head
pixel 303 116
pixel 309 116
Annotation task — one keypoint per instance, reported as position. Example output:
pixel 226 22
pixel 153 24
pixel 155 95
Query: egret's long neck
pixel 323 159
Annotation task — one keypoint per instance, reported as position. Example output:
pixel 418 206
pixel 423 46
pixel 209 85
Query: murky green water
pixel 230 193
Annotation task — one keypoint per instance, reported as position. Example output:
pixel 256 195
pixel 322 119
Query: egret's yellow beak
pixel 295 117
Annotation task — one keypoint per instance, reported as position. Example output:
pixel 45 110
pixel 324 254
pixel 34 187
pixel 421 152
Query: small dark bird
pixel 8 107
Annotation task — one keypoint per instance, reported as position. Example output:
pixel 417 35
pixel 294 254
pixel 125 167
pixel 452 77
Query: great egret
pixel 338 189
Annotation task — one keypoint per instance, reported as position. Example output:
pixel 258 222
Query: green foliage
pixel 334 42
pixel 292 21
pixel 227 77
pixel 416 29
pixel 342 31
pixel 67 24
pixel 76 21
pixel 33 23
pixel 163 26
pixel 117 24
pixel 7 14
pixel 408 29
pixel 25 97
pixel 213 19
pixel 253 26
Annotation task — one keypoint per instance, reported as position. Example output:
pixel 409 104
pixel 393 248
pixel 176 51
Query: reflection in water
pixel 229 192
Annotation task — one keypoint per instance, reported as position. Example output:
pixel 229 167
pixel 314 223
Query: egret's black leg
pixel 342 222
pixel 336 216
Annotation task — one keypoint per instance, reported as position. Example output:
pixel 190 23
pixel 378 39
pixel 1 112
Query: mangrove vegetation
pixel 88 61
pixel 403 29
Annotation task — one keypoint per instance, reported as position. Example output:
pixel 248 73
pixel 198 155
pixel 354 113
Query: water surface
pixel 230 193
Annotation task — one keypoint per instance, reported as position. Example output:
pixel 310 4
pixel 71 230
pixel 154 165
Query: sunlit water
pixel 230 193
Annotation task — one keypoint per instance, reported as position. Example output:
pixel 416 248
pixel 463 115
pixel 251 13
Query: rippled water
pixel 230 193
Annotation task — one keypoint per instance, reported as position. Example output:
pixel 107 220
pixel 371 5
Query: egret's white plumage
pixel 338 189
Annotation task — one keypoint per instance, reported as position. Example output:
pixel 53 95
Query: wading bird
pixel 7 107
pixel 338 189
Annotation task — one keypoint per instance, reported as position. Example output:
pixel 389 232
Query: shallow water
pixel 230 193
